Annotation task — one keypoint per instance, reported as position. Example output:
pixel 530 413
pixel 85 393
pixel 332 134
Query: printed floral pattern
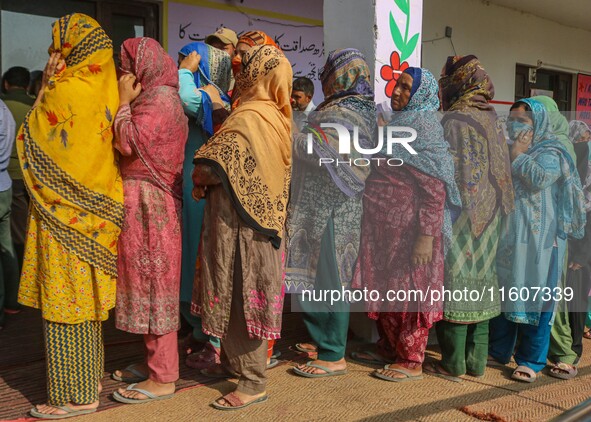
pixel 59 121
pixel 391 73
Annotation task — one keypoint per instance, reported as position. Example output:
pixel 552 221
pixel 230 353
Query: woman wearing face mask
pixel 532 244
pixel 579 131
pixel 247 41
pixel 204 78
pixel 406 229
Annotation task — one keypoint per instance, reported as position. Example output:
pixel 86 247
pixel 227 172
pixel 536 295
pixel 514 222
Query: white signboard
pixel 303 45
pixel 398 47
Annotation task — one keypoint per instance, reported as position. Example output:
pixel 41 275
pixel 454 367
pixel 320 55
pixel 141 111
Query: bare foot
pixel 47 409
pixel 100 388
pixel 339 365
pixel 245 398
pixel 394 374
pixel 141 367
pixel 156 388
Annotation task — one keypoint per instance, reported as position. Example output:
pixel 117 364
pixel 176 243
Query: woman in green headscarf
pixel 561 354
pixel 558 123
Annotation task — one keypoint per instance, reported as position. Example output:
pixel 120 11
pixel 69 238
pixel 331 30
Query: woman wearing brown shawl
pixel 245 170
pixel 150 132
pixel 483 175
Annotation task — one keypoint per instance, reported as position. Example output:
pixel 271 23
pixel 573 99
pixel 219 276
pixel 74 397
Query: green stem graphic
pixel 407 25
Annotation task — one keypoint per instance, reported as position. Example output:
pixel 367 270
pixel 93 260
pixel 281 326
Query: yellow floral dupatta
pixel 65 146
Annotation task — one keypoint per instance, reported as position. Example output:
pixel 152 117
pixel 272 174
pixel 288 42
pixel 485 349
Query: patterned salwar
pixel 399 203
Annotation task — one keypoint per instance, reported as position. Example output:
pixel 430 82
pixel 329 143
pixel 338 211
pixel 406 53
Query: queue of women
pixel 163 195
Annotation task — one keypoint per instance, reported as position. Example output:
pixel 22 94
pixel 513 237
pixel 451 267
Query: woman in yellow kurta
pixel 70 170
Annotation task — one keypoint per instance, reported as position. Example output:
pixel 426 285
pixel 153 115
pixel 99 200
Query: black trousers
pixel 580 282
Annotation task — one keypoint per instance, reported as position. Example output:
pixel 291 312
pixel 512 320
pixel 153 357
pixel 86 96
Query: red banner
pixel 583 107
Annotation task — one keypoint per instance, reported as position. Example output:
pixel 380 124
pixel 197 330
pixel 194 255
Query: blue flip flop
pixel 70 413
pixel 132 387
pixel 328 372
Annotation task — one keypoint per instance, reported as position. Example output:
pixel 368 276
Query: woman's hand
pixel 521 144
pixel 127 92
pixel 191 62
pixel 199 192
pixel 55 65
pixel 422 253
pixel 574 266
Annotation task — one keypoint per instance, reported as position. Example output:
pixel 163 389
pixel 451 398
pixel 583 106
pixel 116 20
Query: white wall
pixel 501 37
pixel 350 24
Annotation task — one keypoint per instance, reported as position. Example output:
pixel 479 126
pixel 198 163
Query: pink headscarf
pixel 161 127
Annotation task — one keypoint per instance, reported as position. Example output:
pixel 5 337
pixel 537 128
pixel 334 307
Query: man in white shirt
pixel 9 276
pixel 301 100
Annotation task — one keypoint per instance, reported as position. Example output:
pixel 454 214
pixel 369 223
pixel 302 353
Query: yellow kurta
pixel 65 288
pixel 71 172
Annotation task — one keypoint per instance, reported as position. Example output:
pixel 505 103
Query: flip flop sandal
pixel 435 369
pixel 299 348
pixel 139 375
pixel 408 375
pixel 150 396
pixel 275 354
pixel 328 372
pixel 70 413
pixel 377 359
pixel 274 362
pixel 563 371
pixel 525 370
pixel 236 403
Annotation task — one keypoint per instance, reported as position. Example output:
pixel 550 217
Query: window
pixel 25 26
pixel 558 84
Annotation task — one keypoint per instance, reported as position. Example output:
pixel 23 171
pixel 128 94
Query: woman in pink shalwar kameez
pixel 150 132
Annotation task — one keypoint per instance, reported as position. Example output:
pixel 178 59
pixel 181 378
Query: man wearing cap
pixel 223 39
